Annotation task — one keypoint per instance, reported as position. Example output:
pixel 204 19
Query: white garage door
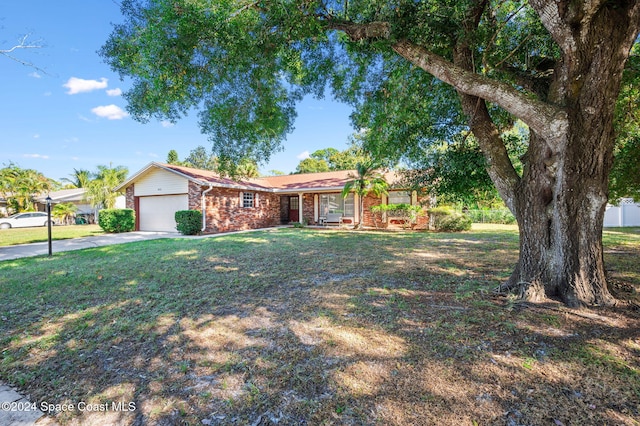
pixel 158 213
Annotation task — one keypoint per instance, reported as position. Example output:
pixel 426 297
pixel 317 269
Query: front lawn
pixel 13 236
pixel 299 326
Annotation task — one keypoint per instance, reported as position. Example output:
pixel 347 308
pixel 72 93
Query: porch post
pixel 384 200
pixel 356 208
pixel 300 207
pixel 315 208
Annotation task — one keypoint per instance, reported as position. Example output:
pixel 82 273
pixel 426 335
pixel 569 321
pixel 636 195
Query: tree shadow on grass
pixel 307 328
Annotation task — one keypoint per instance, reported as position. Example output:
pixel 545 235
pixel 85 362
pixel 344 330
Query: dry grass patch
pixel 316 327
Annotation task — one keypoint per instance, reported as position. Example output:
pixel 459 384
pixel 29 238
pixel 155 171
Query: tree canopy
pixel 417 74
pixel 625 174
pixel 80 178
pixel 330 159
pixel 100 189
pixel 201 158
pixel 20 187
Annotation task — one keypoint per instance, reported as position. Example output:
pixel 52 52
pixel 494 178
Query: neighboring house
pixel 4 211
pixel 75 196
pixel 159 190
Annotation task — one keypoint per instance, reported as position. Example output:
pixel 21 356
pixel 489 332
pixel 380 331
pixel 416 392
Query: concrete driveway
pixel 37 249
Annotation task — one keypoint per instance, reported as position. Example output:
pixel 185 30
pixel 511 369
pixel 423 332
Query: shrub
pixel 491 216
pixel 117 220
pixel 406 212
pixel 445 219
pixel 189 222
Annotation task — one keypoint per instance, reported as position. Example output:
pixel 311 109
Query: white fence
pixel 627 213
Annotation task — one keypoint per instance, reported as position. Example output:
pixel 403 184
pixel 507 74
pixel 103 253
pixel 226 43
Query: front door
pixel 294 209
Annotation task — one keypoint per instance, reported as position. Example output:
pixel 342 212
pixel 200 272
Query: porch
pixel 319 209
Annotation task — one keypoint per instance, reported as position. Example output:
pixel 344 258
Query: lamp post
pixel 48 200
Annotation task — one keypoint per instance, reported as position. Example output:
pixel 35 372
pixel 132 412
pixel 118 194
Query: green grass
pixel 14 236
pixel 297 326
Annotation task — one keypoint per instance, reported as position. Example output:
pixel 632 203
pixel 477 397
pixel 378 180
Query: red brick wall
pixel 423 221
pixel 128 197
pixel 194 195
pixel 225 213
pixel 307 208
pixel 371 200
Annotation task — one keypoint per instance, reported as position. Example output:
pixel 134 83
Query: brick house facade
pixel 158 190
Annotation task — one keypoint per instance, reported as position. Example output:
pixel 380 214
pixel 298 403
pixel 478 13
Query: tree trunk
pixel 560 213
pixel 562 196
pixel 560 199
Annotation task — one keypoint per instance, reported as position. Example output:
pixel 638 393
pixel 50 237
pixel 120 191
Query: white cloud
pixel 114 92
pixel 111 112
pixel 153 155
pixel 35 74
pixel 303 155
pixel 79 85
pixel 166 124
pixel 44 157
pixel 36 136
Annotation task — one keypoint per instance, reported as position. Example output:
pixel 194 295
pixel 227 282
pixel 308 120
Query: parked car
pixel 23 220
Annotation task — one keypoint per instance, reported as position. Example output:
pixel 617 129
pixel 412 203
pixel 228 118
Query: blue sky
pixel 69 114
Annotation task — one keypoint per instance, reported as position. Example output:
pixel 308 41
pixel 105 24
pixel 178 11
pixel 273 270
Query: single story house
pixel 158 190
pixel 75 196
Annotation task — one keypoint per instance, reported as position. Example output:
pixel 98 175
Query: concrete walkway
pixel 37 249
pixel 16 410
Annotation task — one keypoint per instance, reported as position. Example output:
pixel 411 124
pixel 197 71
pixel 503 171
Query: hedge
pixel 189 222
pixel 445 219
pixel 117 220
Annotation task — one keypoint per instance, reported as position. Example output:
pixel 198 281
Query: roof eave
pixel 160 166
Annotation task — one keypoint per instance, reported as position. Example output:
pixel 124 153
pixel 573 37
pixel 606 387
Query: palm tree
pixel 368 179
pixel 79 178
pixel 64 212
pixel 20 186
pixel 100 190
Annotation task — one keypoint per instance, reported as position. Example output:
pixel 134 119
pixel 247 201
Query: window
pixel 334 203
pixel 294 203
pixel 399 197
pixel 248 199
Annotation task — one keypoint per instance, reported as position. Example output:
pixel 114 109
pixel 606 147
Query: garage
pixel 157 213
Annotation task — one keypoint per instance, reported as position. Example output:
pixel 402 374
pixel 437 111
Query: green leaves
pixel 100 190
pixel 20 186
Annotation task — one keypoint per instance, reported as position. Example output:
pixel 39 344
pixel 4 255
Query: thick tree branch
pixel 359 32
pixel 550 13
pixel 562 17
pixel 545 119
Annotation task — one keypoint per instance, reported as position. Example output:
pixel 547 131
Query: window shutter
pixel 255 200
pixel 241 199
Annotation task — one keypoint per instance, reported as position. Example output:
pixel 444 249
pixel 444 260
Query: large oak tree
pixel 415 71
